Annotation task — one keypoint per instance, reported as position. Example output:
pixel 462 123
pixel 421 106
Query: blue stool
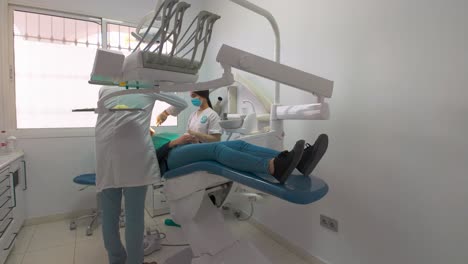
pixel 88 180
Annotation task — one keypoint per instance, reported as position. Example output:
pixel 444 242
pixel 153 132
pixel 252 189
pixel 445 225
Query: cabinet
pixel 13 184
pixel 156 202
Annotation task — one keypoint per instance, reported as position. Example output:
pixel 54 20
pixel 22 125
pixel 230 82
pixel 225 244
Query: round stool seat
pixel 85 179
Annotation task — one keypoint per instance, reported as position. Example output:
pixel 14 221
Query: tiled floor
pixel 55 243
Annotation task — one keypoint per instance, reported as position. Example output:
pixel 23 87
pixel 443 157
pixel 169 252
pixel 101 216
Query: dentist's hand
pixel 161 118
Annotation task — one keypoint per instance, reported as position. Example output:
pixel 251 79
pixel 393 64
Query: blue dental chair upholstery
pixel 298 189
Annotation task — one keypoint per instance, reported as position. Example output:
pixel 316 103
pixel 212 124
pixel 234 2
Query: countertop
pixel 6 159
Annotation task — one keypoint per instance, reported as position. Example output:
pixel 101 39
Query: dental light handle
pixel 250 102
pixel 218 106
pixel 250 123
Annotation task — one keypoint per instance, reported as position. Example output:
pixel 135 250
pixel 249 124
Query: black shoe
pixel 286 161
pixel 312 155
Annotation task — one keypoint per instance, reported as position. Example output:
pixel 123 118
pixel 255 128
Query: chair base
pixel 95 216
pixel 91 226
pixel 195 202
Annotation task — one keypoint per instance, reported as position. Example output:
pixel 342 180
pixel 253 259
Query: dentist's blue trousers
pixel 134 224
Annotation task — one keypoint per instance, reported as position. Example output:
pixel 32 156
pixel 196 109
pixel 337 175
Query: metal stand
pixel 95 215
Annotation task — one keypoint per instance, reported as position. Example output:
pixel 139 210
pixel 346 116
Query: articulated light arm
pixel 265 13
pixel 257 65
pixel 230 57
pixel 226 80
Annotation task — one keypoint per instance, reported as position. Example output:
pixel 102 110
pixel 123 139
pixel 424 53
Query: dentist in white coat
pixel 126 165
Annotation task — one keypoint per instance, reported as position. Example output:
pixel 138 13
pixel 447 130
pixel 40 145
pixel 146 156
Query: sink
pixel 231 123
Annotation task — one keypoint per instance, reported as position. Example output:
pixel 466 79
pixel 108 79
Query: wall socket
pixel 329 223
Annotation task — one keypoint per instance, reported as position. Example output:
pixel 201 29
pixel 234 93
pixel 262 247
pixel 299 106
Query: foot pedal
pixel 170 222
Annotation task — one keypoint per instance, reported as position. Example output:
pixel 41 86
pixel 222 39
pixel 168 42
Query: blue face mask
pixel 196 102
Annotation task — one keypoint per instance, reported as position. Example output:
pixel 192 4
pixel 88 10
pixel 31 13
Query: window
pixel 53 59
pixel 120 38
pixel 54 56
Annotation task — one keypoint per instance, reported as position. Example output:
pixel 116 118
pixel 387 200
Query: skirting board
pixel 285 243
pixel 57 217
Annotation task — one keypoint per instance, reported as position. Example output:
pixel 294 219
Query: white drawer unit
pixel 13 184
pixel 5 188
pixel 5 213
pixel 6 202
pixel 4 177
pixel 5 225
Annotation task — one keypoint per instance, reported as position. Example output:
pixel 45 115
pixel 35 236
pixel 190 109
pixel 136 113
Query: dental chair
pixel 197 191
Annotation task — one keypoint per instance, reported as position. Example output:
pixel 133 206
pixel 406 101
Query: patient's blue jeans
pixel 134 224
pixel 237 154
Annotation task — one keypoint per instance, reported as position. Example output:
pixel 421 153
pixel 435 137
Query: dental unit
pixel 197 192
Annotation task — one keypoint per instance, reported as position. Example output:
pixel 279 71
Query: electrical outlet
pixel 329 223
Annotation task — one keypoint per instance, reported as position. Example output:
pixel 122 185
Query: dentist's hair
pixel 205 94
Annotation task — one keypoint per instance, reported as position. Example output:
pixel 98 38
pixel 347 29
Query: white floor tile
pixel 268 247
pixel 52 235
pixel 15 259
pixel 81 232
pixel 55 243
pixel 301 261
pixel 288 258
pixel 62 254
pixel 122 236
pixel 163 254
pixel 244 230
pixel 174 235
pixel 90 252
pixel 23 239
pixel 160 219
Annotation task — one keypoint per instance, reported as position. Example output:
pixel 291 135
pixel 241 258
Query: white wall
pixel 397 162
pixel 52 164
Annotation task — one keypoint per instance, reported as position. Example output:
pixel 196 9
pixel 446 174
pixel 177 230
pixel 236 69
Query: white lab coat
pixel 206 122
pixel 125 153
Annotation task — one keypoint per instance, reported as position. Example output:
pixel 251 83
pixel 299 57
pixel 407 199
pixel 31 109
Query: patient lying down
pixel 243 156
